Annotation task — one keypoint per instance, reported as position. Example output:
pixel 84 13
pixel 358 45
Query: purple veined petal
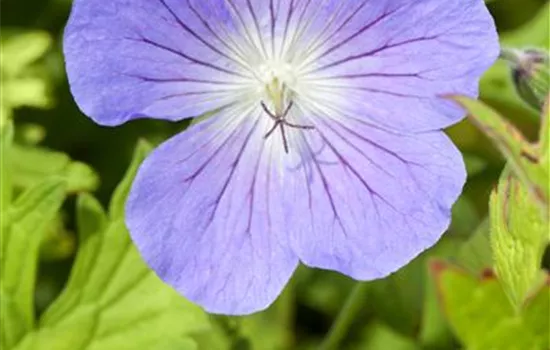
pixel 206 213
pixel 173 59
pixel 386 57
pixel 130 59
pixel 370 200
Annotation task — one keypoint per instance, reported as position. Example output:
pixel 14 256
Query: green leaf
pixel 519 236
pixel 475 254
pixel 522 157
pixel 544 136
pixel 6 144
pixel 402 311
pixel 434 332
pixel 271 329
pixel 379 336
pixel 23 224
pixel 23 83
pixel 533 33
pixel 32 164
pixel 58 243
pixel 465 217
pixel 475 165
pixel 20 49
pixel 113 300
pixel 482 317
pixel 27 91
pixel 116 206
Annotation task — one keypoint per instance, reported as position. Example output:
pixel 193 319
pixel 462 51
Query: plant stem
pixel 345 318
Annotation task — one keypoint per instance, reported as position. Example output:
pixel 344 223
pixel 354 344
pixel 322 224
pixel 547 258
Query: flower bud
pixel 530 74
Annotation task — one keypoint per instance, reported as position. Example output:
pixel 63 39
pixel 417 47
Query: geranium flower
pixel 326 146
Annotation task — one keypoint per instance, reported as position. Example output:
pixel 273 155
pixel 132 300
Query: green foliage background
pixel 71 278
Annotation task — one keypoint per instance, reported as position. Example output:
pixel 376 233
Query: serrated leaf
pixel 519 236
pixel 32 164
pixel 23 224
pixel 482 317
pixel 521 156
pixel 116 206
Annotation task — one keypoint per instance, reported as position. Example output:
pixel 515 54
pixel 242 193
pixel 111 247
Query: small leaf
pixel 23 224
pixel 482 317
pixel 519 235
pixel 522 157
pixel 116 206
pixel 32 164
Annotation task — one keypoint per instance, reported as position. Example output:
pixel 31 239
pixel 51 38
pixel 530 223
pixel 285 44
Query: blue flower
pixel 326 148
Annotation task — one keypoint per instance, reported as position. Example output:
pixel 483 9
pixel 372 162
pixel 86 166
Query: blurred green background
pixel 52 138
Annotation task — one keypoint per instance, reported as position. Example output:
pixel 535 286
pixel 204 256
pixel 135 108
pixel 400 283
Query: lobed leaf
pixel 482 317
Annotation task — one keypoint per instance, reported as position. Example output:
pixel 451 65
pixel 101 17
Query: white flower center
pixel 277 84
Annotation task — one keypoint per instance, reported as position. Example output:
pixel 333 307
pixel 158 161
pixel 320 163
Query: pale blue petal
pixel 206 213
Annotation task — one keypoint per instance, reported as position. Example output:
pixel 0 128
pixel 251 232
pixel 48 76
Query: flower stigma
pixel 277 77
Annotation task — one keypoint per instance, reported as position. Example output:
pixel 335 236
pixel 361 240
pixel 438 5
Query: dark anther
pixel 281 122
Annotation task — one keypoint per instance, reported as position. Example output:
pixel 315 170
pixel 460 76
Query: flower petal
pixel 396 55
pixel 370 200
pixel 128 59
pixel 205 212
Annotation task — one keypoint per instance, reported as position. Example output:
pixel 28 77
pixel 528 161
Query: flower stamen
pixel 281 122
